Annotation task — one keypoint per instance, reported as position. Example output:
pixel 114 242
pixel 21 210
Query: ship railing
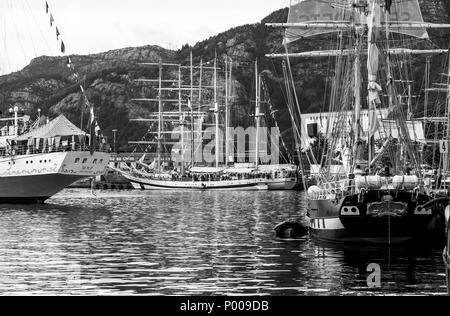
pixel 32 150
pixel 333 190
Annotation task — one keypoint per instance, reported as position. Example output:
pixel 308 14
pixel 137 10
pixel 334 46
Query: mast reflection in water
pixel 192 243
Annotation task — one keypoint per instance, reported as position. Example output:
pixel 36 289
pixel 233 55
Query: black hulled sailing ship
pixel 375 200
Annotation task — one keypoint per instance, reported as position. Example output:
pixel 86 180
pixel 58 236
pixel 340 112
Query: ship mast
pixel 357 122
pixel 160 115
pixel 227 114
pixel 257 113
pixel 372 67
pixel 446 155
pixel 216 112
pixel 192 107
pixel 181 121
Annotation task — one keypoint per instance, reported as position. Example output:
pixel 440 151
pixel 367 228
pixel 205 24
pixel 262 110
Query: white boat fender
pixel 291 229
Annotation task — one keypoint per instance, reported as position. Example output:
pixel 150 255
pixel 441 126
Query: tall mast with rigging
pixel 257 112
pixel 216 113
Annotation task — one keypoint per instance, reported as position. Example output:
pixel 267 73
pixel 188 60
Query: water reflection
pixel 190 243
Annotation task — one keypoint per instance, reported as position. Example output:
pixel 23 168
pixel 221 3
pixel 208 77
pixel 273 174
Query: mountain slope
pixel 49 85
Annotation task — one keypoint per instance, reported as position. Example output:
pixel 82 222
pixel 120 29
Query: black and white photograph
pixel 225 153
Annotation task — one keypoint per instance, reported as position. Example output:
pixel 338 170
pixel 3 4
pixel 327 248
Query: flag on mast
pixel 46 7
pixel 93 128
pixel 51 20
pixel 388 6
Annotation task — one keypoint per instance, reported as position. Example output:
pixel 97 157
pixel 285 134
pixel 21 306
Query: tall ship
pixel 39 158
pixel 371 187
pixel 186 97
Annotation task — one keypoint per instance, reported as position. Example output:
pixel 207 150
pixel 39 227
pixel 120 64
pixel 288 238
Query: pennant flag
pixel 63 47
pixel 51 20
pixel 97 128
pixel 57 33
pixel 388 6
pixel 46 7
pixel 93 128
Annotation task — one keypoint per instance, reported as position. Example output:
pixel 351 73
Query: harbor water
pixel 192 243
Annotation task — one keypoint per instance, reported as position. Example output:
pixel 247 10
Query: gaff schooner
pixel 382 196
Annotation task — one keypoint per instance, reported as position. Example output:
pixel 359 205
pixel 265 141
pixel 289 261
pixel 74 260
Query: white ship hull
pixel 36 178
pixel 232 185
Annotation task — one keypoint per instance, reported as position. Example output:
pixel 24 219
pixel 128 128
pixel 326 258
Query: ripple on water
pixel 188 243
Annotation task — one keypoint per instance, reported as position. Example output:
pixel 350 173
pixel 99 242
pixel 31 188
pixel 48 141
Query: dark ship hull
pixel 377 216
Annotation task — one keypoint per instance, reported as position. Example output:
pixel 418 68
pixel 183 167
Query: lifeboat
pixel 369 182
pixel 405 182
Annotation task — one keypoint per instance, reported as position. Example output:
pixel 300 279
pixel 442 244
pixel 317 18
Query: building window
pixel 95 161
pixel 77 160
pixel 85 160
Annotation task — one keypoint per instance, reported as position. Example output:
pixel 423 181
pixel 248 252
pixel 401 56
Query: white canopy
pixel 206 170
pixel 59 127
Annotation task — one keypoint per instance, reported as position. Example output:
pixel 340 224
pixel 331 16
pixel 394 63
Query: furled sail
pixel 374 24
pixel 310 12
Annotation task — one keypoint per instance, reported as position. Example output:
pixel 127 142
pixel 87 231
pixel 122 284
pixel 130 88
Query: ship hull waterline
pixel 33 179
pixel 231 185
pixel 198 186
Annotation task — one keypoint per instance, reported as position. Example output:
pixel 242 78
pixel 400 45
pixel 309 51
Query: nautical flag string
pixel 94 127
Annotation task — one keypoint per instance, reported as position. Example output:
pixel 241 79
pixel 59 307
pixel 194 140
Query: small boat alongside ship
pixel 381 196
